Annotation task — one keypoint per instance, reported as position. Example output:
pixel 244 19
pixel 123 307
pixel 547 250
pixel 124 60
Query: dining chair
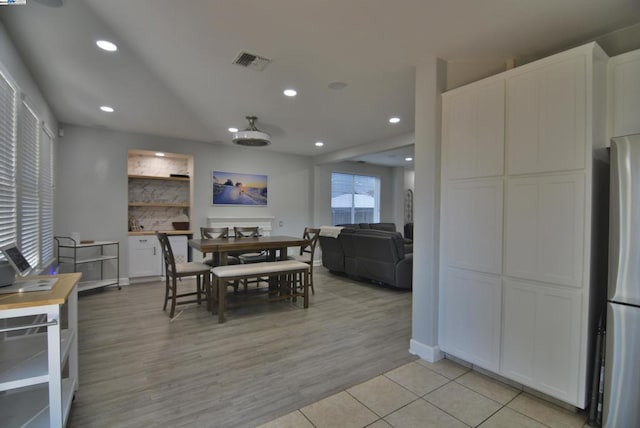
pixel 176 271
pixel 216 233
pixel 249 232
pixel 250 257
pixel 311 235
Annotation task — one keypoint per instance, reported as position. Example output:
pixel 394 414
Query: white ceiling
pixel 173 73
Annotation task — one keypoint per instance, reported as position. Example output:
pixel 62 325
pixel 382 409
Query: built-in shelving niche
pixel 156 198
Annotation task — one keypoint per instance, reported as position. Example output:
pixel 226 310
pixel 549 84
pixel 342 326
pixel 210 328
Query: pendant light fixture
pixel 252 136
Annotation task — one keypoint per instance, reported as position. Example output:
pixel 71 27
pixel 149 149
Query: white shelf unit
pixel 76 254
pixel 33 391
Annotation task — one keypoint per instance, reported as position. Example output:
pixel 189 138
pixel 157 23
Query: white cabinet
pixel 473 216
pixel 541 337
pixel 519 251
pixel 473 128
pixel 546 117
pixel 471 222
pixel 544 228
pixel 624 94
pixel 145 256
pixel 39 370
pixel 470 317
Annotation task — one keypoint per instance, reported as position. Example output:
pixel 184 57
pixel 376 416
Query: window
pixel 46 195
pixel 26 178
pixel 354 198
pixel 8 143
pixel 28 202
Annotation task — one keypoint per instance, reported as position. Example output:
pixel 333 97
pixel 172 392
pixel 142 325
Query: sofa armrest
pixel 404 272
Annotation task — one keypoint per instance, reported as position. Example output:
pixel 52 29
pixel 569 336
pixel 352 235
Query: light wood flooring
pixel 138 368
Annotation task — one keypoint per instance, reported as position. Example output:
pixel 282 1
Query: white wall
pixel 92 192
pixel 459 73
pixel 12 66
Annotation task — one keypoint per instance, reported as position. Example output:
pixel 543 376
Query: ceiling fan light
pixel 252 136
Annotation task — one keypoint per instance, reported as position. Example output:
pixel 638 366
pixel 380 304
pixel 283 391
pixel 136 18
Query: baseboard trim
pixel 426 352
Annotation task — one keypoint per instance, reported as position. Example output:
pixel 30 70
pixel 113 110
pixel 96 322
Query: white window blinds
pixel 8 142
pixel 28 186
pixel 26 178
pixel 46 196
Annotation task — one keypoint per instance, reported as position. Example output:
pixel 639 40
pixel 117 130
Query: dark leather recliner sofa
pixel 369 254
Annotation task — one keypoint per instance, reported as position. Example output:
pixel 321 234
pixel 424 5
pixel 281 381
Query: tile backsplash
pixel 157 166
pixel 152 218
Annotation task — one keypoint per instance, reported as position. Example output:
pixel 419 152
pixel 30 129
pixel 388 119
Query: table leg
pixel 305 275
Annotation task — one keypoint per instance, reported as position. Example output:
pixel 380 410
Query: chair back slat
pixel 214 232
pixel 167 253
pixel 311 234
pixel 246 231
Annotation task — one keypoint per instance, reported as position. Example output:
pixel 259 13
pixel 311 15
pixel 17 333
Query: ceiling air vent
pixel 248 60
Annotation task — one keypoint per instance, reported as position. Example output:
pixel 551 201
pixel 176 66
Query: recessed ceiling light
pixel 160 154
pixel 290 92
pixel 394 120
pixel 337 85
pixel 107 109
pixel 319 144
pixel 233 129
pixel 408 159
pixel 107 45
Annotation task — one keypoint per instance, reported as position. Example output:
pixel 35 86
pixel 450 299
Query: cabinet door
pixel 541 338
pixel 473 225
pixel 473 131
pixel 544 230
pixel 547 118
pixel 470 317
pixel 145 256
pixel 625 94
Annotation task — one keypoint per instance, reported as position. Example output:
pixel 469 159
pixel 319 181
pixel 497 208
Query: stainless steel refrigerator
pixel 622 358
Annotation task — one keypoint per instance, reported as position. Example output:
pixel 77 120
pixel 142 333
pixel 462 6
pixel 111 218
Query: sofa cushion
pixel 396 239
pixel 350 225
pixel 389 227
pixel 376 256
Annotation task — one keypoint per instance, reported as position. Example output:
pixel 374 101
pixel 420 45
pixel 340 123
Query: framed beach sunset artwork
pixel 233 188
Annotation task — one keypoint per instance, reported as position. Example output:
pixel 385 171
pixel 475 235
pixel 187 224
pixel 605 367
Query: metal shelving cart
pixel 99 252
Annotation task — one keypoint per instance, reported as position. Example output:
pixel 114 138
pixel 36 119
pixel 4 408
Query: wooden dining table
pixel 223 246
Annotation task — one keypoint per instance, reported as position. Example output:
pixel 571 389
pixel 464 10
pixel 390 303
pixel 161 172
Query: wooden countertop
pixel 168 232
pixel 56 296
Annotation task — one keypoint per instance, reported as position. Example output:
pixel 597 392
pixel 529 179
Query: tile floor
pixel 422 394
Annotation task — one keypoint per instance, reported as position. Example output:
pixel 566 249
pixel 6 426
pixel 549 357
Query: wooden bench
pixel 287 273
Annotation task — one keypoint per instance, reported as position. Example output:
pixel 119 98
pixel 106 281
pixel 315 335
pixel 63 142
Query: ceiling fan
pixel 252 136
